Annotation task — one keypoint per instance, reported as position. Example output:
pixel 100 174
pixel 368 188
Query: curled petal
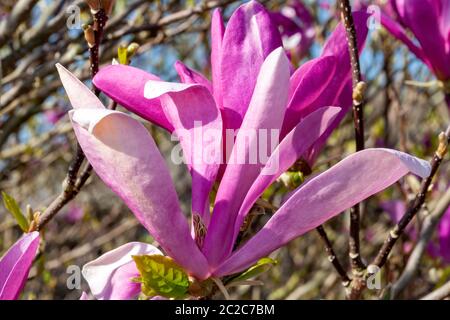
pixel 345 103
pixel 76 91
pixel 125 85
pixel 198 124
pixel 110 276
pixel 15 265
pixel 187 75
pixel 352 180
pixel 307 83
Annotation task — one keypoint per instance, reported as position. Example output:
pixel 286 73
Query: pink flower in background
pixel 397 208
pixel 296 25
pixel 54 115
pixel 444 236
pixel 441 248
pixel 15 265
pixel 429 22
pixel 74 213
pixel 125 157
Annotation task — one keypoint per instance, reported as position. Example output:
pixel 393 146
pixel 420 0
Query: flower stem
pixel 358 121
pixel 332 256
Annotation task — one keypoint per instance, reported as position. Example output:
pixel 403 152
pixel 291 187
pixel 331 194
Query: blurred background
pixel 37 143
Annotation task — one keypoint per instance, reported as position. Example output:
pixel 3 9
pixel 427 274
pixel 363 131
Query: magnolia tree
pixel 300 112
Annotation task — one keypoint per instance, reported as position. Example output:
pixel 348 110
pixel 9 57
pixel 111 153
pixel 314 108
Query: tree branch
pixel 396 232
pixel 72 186
pixel 358 121
pixel 429 225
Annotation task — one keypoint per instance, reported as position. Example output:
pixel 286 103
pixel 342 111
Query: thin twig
pixel 358 120
pixel 332 256
pixel 323 235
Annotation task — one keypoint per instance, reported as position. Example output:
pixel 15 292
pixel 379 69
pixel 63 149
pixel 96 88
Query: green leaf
pixel 160 275
pixel 190 3
pixel 263 265
pixel 122 54
pixel 12 206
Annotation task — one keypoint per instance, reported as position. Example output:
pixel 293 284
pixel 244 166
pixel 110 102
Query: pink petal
pixel 445 23
pixel 444 236
pixel 352 180
pixel 125 85
pixel 336 46
pixel 338 90
pixel 198 124
pixel 250 36
pixel 284 156
pixel 110 276
pixel 397 31
pixel 296 25
pixel 307 83
pixel 345 102
pixel 266 112
pixel 217 32
pixel 188 75
pixel 75 89
pixel 15 265
pixel 84 296
pixel 125 157
pixel 423 20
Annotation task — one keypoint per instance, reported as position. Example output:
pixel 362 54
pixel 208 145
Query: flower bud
pixel 358 93
pixel 95 5
pixel 132 49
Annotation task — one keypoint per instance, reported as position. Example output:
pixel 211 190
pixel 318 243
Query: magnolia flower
pixel 296 26
pixel 429 22
pixel 125 157
pixel 15 265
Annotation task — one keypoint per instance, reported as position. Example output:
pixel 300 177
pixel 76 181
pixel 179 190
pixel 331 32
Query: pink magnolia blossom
pixel 444 236
pixel 429 21
pixel 296 26
pixel 15 265
pixel 441 248
pixel 251 90
pixel 125 157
